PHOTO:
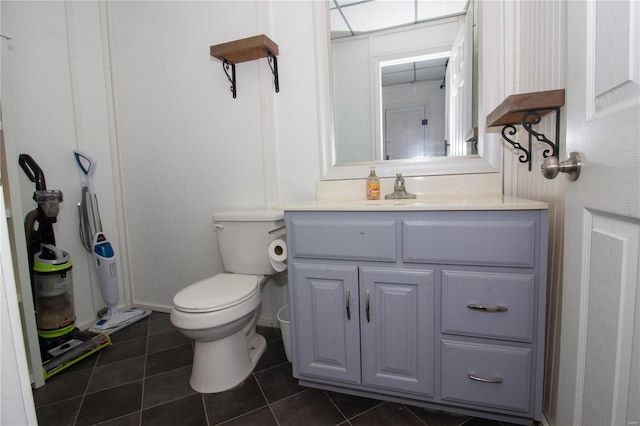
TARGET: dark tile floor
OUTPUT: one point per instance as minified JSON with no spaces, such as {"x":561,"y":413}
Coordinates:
{"x":143,"y":379}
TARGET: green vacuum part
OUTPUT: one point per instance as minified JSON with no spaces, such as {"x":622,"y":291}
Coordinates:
{"x":81,"y":350}
{"x":52,"y":334}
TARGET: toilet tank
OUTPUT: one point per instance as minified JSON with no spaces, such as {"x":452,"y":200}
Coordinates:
{"x":244,"y":237}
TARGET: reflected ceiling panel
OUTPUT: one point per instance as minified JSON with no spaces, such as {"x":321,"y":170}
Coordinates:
{"x":352,"y":17}
{"x":414,"y":72}
{"x":427,"y":10}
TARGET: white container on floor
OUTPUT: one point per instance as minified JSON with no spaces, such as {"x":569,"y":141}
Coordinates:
{"x":284,"y":319}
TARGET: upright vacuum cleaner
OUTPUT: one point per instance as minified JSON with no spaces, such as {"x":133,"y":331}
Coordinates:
{"x":95,"y":241}
{"x":61,"y":343}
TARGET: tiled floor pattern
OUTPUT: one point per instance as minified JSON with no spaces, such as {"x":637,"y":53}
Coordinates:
{"x":143,"y":379}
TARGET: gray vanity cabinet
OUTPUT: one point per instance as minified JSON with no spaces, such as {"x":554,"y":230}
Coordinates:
{"x":365,"y":325}
{"x":442,"y":309}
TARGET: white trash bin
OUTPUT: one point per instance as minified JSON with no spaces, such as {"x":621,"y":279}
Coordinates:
{"x":284,"y":318}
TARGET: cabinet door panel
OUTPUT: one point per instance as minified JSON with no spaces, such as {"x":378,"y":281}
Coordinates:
{"x":397,"y":335}
{"x":328,"y":342}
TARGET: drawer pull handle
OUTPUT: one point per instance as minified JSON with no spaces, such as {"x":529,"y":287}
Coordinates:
{"x":498,"y":308}
{"x":483,"y":380}
{"x":349,"y":304}
{"x":367,"y":308}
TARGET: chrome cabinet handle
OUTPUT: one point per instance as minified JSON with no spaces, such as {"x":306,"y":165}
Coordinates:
{"x":483,"y":380}
{"x":367,"y":308}
{"x":498,"y":308}
{"x":349,"y":304}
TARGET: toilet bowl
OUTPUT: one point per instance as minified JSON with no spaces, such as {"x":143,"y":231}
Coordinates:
{"x":220,"y":312}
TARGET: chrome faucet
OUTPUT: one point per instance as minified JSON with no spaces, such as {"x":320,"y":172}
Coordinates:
{"x":399,"y":190}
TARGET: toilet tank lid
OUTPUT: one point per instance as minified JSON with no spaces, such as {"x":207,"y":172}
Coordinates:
{"x":256,"y":215}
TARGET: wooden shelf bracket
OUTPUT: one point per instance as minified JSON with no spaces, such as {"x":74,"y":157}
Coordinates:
{"x":527,"y":110}
{"x":247,"y":49}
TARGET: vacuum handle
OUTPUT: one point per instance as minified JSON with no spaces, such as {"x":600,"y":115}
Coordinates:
{"x":58,"y":253}
{"x":33,"y":171}
{"x":87,"y":165}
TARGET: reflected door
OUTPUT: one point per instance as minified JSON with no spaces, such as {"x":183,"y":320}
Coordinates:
{"x":407,"y":133}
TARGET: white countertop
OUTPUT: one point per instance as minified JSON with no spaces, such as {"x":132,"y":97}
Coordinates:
{"x":424,"y":203}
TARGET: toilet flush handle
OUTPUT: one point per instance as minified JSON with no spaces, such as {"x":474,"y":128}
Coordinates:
{"x":281,"y":230}
{"x":217,"y":226}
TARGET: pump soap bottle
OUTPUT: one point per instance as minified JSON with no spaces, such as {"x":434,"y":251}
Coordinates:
{"x":373,"y":185}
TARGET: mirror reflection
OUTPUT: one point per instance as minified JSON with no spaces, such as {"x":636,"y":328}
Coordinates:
{"x":413,"y":108}
{"x":402,"y":92}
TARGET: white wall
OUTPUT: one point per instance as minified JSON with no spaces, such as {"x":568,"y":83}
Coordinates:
{"x":132,"y":83}
{"x":354,"y":105}
{"x":16,"y":399}
{"x":531,"y":57}
{"x":54,"y":101}
{"x":187,"y":148}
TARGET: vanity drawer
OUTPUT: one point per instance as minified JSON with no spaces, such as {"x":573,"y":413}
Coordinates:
{"x":488,"y":304}
{"x":344,"y":239}
{"x":488,"y":375}
{"x":468,"y":242}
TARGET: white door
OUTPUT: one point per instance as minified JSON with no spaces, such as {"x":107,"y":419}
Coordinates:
{"x":459,"y":80}
{"x":405,"y":134}
{"x":599,"y":350}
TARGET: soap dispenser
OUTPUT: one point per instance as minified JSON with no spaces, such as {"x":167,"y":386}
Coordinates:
{"x":373,"y":185}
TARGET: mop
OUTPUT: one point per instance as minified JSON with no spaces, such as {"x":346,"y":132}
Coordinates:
{"x":96,"y":242}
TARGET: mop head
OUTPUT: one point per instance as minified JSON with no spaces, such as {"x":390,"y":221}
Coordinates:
{"x":117,"y":320}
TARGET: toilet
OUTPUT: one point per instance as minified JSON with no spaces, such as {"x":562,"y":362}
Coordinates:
{"x":220,"y":312}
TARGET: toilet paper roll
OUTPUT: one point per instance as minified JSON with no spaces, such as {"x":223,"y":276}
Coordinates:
{"x":278,"y":254}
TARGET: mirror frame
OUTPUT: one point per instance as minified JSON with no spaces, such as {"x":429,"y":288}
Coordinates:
{"x":329,"y":169}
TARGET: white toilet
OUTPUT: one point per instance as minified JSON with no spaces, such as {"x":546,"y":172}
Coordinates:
{"x":220,"y":312}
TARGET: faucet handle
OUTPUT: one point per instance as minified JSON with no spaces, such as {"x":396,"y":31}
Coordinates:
{"x":399,"y":183}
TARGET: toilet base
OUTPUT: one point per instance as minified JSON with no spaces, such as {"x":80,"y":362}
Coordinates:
{"x":220,"y":365}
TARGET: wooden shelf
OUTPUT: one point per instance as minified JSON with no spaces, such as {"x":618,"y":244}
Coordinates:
{"x":246,"y":49}
{"x":513,"y":109}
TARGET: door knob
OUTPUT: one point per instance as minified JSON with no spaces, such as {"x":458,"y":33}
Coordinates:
{"x":551,"y":166}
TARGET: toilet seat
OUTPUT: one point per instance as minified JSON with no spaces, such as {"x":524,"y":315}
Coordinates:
{"x":216,"y":293}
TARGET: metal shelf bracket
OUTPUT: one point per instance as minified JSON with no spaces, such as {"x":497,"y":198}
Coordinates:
{"x":273,"y":64}
{"x":529,"y":119}
{"x":232,"y":78}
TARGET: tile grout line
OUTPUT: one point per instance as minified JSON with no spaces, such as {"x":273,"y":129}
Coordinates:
{"x":84,"y":394}
{"x":265,"y":396}
{"x":204,"y":407}
{"x":380,"y":402}
{"x":337,"y":408}
{"x":144,"y":369}
{"x":414,"y":414}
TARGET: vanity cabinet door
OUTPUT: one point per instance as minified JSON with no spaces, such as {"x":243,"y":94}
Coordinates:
{"x":327,"y":315}
{"x":397,"y":317}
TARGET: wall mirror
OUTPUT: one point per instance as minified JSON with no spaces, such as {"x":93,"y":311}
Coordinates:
{"x":399,"y":95}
